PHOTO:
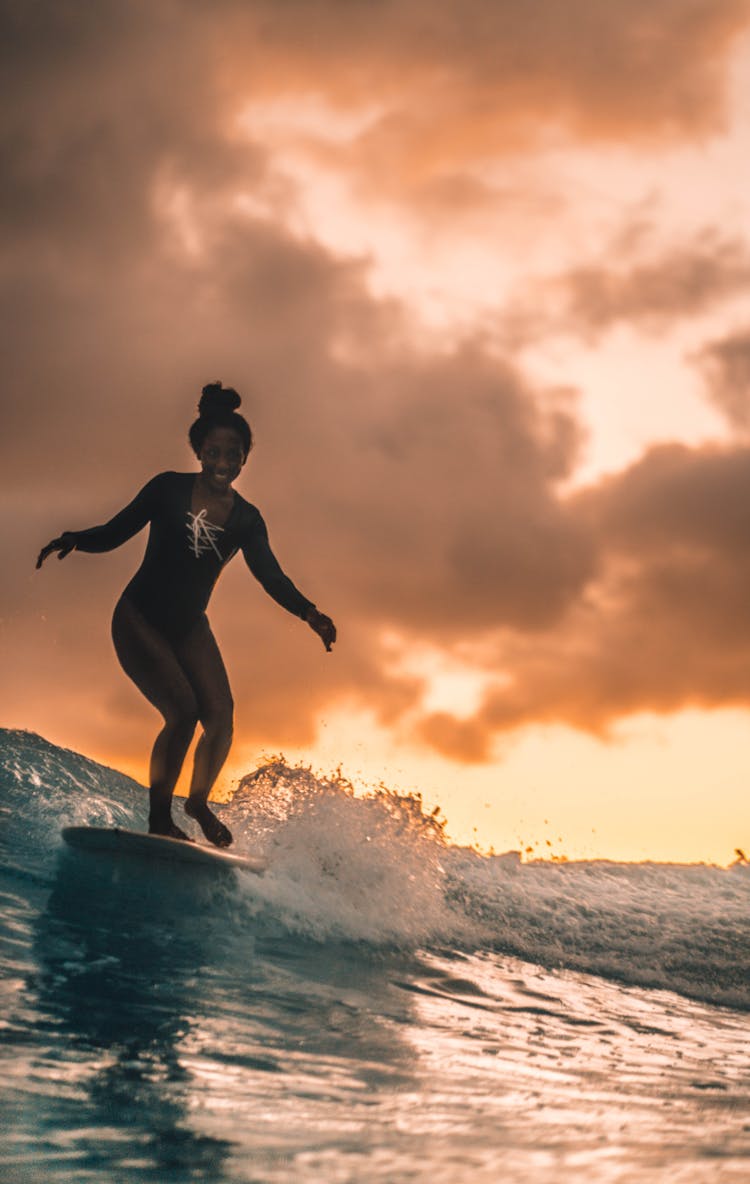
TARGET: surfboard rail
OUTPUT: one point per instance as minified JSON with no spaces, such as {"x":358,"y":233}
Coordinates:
{"x":117,"y":840}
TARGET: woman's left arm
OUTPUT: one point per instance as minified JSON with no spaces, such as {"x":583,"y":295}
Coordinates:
{"x":266,"y":568}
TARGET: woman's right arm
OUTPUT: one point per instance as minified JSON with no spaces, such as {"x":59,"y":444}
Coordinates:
{"x":113,"y":533}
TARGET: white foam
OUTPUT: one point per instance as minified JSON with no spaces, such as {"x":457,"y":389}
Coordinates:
{"x":365,"y":867}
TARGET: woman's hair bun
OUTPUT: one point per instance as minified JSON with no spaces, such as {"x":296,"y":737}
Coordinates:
{"x":218,"y":400}
{"x":218,"y":409}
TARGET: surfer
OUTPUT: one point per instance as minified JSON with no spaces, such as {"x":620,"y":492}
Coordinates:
{"x":160,"y":629}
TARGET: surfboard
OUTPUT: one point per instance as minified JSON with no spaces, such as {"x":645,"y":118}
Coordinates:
{"x":116,"y":840}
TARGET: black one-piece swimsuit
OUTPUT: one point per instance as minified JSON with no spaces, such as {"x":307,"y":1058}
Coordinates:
{"x":186,"y":553}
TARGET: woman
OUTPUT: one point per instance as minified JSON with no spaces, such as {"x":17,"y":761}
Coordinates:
{"x":160,"y":630}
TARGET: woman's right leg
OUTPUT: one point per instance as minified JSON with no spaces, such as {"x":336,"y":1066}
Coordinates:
{"x":148,"y":659}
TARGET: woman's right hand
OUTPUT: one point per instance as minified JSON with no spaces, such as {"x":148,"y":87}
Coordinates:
{"x":64,"y":544}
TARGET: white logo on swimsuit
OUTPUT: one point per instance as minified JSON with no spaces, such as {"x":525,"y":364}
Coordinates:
{"x":202,"y":534}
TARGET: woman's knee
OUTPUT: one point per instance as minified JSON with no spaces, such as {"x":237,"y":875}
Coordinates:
{"x":181,"y":716}
{"x":218,"y":721}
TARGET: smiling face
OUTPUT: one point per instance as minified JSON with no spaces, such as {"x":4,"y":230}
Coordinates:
{"x":222,"y":457}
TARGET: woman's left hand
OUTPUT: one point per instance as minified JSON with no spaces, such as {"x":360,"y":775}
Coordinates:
{"x":323,"y":626}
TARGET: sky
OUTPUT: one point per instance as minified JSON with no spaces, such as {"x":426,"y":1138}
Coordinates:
{"x":481,"y":276}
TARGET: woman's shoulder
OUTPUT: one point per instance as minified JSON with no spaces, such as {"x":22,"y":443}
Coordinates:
{"x":166,"y":485}
{"x":248,"y":515}
{"x":169,"y":478}
{"x":246,"y":507}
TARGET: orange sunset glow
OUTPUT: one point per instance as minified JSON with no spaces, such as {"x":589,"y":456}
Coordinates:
{"x":481,"y":274}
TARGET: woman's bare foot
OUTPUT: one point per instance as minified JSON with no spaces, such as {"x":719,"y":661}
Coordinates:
{"x":214,"y":830}
{"x":169,"y":830}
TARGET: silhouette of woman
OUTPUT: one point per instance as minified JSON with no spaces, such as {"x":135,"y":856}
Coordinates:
{"x":160,"y":630}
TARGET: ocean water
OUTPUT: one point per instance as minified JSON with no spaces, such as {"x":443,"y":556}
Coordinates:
{"x":380,"y":1006}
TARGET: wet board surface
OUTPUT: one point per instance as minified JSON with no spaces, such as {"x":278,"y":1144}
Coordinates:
{"x":118,"y":841}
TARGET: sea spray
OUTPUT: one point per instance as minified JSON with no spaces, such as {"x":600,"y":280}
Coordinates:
{"x":358,"y":866}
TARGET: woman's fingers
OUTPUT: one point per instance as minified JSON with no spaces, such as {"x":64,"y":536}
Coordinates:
{"x":45,"y":551}
{"x":64,"y":544}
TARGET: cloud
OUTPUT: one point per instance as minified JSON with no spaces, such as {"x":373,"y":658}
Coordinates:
{"x":651,"y":288}
{"x":410,"y":483}
{"x":663,"y":626}
{"x":405,"y":482}
{"x":459,"y":85}
{"x":446,"y":107}
{"x":725,"y":365}
{"x":682,"y":282}
{"x":99,"y":99}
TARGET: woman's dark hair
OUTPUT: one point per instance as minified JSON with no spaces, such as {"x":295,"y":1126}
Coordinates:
{"x":218,"y":409}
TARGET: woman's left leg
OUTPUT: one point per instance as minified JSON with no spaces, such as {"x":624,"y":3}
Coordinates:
{"x":199,"y":656}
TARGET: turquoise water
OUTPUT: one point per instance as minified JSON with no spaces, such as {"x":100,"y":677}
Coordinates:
{"x":380,"y":1006}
